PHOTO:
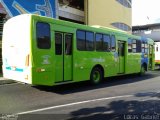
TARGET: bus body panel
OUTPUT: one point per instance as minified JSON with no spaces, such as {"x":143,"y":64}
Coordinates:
{"x":16,"y":52}
{"x":49,"y":53}
{"x":43,"y":62}
{"x":133,"y":63}
{"x":133,"y":59}
{"x":148,"y":56}
{"x":84,"y":65}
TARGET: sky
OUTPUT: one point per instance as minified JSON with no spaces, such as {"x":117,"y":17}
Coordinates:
{"x":145,"y":12}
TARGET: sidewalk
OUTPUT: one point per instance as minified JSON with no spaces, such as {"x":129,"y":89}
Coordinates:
{"x":5,"y":81}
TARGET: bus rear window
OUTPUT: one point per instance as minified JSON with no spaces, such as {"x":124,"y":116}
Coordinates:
{"x":43,"y":35}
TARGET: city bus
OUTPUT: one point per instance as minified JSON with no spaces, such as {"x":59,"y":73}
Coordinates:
{"x":157,"y":54}
{"x":148,"y":54}
{"x":39,"y":50}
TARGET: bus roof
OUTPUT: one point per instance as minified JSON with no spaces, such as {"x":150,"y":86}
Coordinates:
{"x":95,"y":28}
{"x":80,"y":26}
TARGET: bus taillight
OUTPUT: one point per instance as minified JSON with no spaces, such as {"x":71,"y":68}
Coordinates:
{"x":27,"y":60}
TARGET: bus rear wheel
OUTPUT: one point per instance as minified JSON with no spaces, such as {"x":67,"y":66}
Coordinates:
{"x":96,"y":75}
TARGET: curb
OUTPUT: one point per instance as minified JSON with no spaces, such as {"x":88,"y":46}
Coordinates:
{"x":6,"y":81}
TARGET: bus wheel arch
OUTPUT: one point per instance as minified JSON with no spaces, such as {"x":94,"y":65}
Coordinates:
{"x":97,"y":74}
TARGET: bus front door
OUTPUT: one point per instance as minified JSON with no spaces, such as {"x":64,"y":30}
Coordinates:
{"x":121,"y":54}
{"x":63,"y":56}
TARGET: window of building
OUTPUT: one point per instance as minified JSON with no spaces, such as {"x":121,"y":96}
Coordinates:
{"x":130,"y":1}
{"x":43,"y":35}
{"x":125,"y":3}
{"x":121,"y":26}
{"x":78,"y":4}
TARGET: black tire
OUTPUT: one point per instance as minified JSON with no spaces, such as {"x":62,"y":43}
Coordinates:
{"x":96,"y":75}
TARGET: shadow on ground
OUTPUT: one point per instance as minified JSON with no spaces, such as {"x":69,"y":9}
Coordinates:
{"x":107,"y":82}
{"x":140,"y":109}
{"x":137,"y":109}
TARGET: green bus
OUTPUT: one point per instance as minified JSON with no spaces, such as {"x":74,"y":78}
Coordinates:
{"x":44,"y":51}
{"x":148,"y":52}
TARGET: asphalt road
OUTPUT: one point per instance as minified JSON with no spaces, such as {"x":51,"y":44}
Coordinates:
{"x":125,"y":97}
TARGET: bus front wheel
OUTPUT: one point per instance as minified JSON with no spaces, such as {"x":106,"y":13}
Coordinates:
{"x":96,"y":75}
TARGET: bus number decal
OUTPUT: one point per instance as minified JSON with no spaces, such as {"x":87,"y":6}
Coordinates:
{"x":46,"y":59}
{"x":98,"y":60}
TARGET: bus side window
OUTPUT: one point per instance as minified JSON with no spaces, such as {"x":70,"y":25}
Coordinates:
{"x":143,"y":47}
{"x":99,"y":42}
{"x":129,"y":45}
{"x":107,"y":43}
{"x":134,"y":46}
{"x":89,"y":41}
{"x":139,"y":46}
{"x":113,"y":43}
{"x":43,"y":35}
{"x":81,"y":42}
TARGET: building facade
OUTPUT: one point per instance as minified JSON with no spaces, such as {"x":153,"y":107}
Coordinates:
{"x":110,"y":13}
{"x":150,"y":30}
{"x":107,"y":13}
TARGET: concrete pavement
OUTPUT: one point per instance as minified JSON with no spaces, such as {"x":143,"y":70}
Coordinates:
{"x":5,"y":81}
{"x":132,"y":95}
